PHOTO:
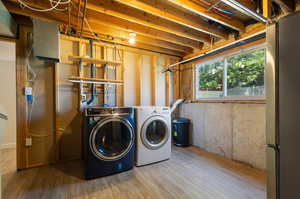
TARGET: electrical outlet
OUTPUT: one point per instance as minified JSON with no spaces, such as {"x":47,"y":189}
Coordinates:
{"x":28,"y":142}
{"x":28,"y":90}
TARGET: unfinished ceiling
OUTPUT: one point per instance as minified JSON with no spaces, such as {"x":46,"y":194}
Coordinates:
{"x":176,"y":27}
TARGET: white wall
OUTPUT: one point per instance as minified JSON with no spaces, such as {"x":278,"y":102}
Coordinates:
{"x":131,"y":62}
{"x":130,"y":72}
{"x":146,"y":80}
{"x":235,"y":131}
{"x":161,"y":83}
{"x":8,"y":90}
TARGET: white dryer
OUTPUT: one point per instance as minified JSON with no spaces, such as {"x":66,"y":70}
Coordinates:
{"x":153,"y":125}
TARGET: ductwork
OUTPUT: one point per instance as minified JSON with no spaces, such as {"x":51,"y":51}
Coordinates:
{"x":8,"y":27}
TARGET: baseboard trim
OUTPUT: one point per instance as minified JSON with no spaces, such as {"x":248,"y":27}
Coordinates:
{"x":8,"y":146}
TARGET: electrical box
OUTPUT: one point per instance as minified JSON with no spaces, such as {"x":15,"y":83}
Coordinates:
{"x":45,"y":40}
{"x":28,"y":94}
{"x":28,"y":90}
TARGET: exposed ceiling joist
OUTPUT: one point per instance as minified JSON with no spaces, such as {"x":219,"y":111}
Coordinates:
{"x":102,"y":29}
{"x":249,"y":32}
{"x":180,"y":26}
{"x":171,"y":17}
{"x":120,"y":23}
{"x":98,"y":8}
{"x":249,"y":3}
{"x":142,"y":30}
{"x":204,"y":12}
{"x":182,"y":43}
{"x":63,"y":19}
{"x":139,"y":45}
{"x":144,"y":39}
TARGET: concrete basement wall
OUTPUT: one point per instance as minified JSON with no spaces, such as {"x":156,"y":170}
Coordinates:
{"x":235,"y":131}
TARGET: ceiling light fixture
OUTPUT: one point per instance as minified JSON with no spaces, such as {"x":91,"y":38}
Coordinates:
{"x":132,"y":37}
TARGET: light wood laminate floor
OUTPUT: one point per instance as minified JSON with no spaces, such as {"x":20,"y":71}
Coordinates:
{"x":190,"y":173}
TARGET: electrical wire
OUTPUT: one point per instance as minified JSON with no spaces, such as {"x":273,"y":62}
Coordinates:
{"x":33,"y":79}
{"x":62,"y":2}
{"x":30,"y":68}
{"x":58,"y":9}
{"x":53,"y":6}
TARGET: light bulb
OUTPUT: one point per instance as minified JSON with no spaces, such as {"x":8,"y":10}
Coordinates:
{"x":131,"y":40}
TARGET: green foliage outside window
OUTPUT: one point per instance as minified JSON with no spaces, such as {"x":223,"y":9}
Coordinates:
{"x":211,"y":76}
{"x":245,"y":76}
{"x":246,"y":70}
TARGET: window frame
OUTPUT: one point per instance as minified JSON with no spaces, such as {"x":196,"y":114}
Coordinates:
{"x":225,"y":58}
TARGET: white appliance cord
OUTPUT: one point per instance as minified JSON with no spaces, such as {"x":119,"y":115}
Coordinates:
{"x":53,"y":6}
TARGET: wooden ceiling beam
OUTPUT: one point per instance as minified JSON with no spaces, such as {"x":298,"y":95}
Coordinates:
{"x":249,"y":4}
{"x":250,"y":31}
{"x":62,"y":18}
{"x":171,"y":17}
{"x":164,"y":40}
{"x":101,"y":9}
{"x":100,"y":18}
{"x":141,"y":39}
{"x":138,"y":45}
{"x":204,"y":12}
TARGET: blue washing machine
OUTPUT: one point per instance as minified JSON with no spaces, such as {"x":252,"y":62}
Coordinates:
{"x":109,"y":141}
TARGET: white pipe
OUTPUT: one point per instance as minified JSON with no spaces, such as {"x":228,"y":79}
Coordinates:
{"x":95,"y":82}
{"x":198,"y":56}
{"x":177,"y":103}
{"x":243,"y":9}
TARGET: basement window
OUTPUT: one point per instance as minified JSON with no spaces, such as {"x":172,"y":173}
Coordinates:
{"x":210,"y":81}
{"x":236,"y":76}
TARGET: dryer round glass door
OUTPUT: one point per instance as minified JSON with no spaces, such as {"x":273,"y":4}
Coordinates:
{"x":111,"y":138}
{"x":155,"y":132}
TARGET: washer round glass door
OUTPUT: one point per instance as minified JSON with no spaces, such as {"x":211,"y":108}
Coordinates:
{"x":155,"y":132}
{"x":111,"y":138}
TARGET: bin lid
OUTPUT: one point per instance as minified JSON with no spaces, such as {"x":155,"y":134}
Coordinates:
{"x":181,"y":120}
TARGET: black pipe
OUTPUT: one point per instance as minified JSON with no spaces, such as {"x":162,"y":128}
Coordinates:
{"x":218,"y":51}
{"x":93,"y":74}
